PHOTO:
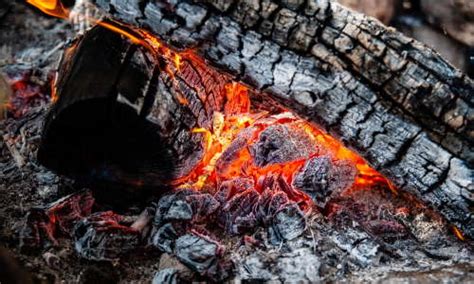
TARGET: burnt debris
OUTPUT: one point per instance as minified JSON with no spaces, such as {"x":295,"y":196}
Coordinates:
{"x":321,"y":178}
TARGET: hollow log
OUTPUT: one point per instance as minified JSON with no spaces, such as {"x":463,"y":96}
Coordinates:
{"x":120,"y":118}
{"x":395,"y":101}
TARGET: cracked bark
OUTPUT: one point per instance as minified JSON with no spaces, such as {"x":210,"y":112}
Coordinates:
{"x":396,"y":102}
{"x":107,"y":122}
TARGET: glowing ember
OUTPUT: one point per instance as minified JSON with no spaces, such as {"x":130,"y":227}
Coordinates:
{"x":26,"y":94}
{"x":228,"y":141}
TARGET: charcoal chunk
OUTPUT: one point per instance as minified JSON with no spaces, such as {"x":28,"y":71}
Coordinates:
{"x":269,"y":204}
{"x":165,"y":237}
{"x":322,"y":178}
{"x":185,"y":206}
{"x":102,"y":236}
{"x":199,"y":253}
{"x":288,"y":224}
{"x":173,"y":207}
{"x":237,"y":215}
{"x":203,"y":205}
{"x":230,"y":188}
{"x":179,"y":210}
{"x":166,"y":276}
{"x":281,"y":143}
{"x":46,"y":223}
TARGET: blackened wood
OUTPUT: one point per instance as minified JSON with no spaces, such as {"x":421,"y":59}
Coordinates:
{"x":106,"y":123}
{"x":392,"y":99}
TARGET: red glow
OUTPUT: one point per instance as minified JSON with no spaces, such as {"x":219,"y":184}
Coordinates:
{"x":26,"y":94}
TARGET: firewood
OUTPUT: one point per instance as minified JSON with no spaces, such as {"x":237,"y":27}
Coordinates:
{"x":106,"y":122}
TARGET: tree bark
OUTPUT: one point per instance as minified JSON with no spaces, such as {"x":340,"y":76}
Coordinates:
{"x":390,"y":98}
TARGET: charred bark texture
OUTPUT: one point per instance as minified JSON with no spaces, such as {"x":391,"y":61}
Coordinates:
{"x":120,"y":118}
{"x":389,"y":97}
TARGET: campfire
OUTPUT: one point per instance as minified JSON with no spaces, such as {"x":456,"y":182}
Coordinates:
{"x":251,"y":141}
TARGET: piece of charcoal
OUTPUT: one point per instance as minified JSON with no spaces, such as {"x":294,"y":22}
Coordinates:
{"x":232,"y":187}
{"x":203,"y":205}
{"x":185,"y":206}
{"x":166,"y":276}
{"x":164,"y":237}
{"x":201,"y":254}
{"x":46,"y":223}
{"x":321,"y":178}
{"x":288,"y":224}
{"x":282,"y":143}
{"x":231,"y":154}
{"x":237,"y":214}
{"x":103,"y":236}
{"x":364,"y":253}
{"x":179,"y":210}
{"x":173,"y":207}
{"x":388,"y":230}
{"x":278,"y":183}
{"x":352,"y":238}
{"x":269,"y":203}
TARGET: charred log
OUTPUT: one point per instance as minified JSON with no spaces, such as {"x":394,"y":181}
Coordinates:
{"x":107,"y":124}
{"x":392,"y":99}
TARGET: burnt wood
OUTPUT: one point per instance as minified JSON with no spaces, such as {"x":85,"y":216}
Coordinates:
{"x":119,"y":116}
{"x":107,"y":123}
{"x":392,"y":99}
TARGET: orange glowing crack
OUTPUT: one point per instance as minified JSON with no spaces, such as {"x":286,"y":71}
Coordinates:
{"x":458,"y":233}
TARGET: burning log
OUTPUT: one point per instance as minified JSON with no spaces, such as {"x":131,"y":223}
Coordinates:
{"x":159,"y":96}
{"x":115,"y":83}
{"x":395,"y":101}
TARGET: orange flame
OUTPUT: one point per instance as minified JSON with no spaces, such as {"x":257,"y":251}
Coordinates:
{"x":133,"y":38}
{"x":51,"y":7}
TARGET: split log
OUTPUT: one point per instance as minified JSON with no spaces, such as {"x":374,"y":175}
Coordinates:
{"x":390,"y":98}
